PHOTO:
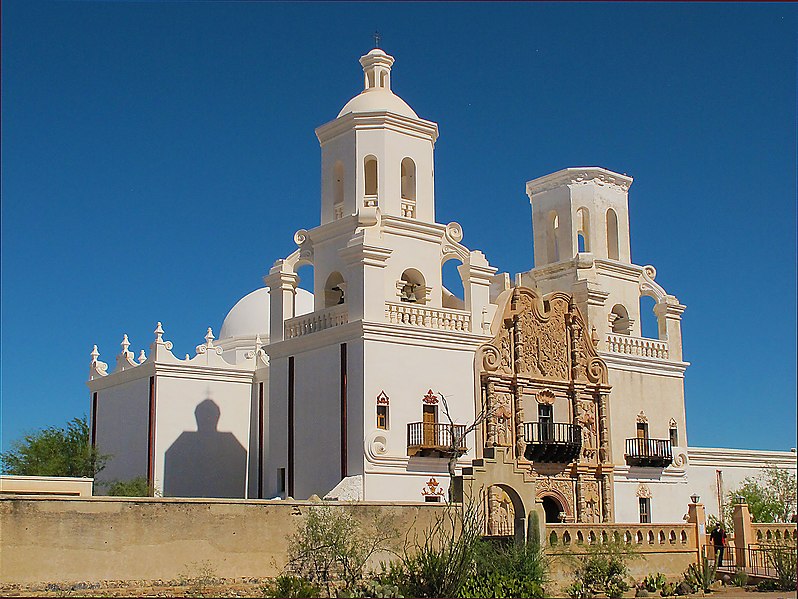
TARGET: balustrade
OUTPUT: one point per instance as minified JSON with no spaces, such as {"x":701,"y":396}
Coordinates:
{"x":646,"y":537}
{"x":637,"y":346}
{"x":427,"y":317}
{"x":316,"y":321}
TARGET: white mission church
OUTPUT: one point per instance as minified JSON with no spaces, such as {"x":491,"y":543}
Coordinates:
{"x":365,"y":388}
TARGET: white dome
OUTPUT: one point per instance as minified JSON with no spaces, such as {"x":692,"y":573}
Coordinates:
{"x":250,"y":315}
{"x":378,"y":100}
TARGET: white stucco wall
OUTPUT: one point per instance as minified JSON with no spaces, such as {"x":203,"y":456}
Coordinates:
{"x":122,"y":428}
{"x":210,"y":461}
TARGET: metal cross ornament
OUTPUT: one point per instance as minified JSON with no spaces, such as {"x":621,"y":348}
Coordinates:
{"x":377,"y":38}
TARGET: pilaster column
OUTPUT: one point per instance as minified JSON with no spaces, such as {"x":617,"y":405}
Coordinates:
{"x":476,"y":276}
{"x":366,"y":281}
{"x":669,"y":319}
{"x":697,"y":515}
{"x":743,"y":532}
{"x":282,"y":289}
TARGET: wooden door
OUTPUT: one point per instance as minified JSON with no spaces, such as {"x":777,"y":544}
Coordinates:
{"x":430,"y":418}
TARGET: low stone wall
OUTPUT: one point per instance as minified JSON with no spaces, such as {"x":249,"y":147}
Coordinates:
{"x":106,"y":538}
{"x":665,"y":548}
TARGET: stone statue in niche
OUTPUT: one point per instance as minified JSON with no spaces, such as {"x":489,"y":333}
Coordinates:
{"x":587,"y":420}
{"x":503,"y":415}
{"x":501,"y":514}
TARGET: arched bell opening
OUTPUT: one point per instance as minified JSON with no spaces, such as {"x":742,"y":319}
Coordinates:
{"x":334,"y":290}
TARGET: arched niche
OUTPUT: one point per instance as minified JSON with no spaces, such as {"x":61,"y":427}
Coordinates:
{"x":370,"y":180}
{"x":334,"y":290}
{"x":552,"y":237}
{"x":613,"y":247}
{"x":582,"y":230}
{"x":619,"y":320}
{"x":453,"y":287}
{"x":412,"y":287}
{"x":408,"y":179}
{"x":505,"y":513}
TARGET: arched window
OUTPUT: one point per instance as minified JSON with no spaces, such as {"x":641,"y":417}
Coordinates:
{"x":411,"y":287}
{"x":370,"y":172}
{"x":408,"y":179}
{"x":334,"y":290}
{"x":338,"y":190}
{"x":552,"y":243}
{"x":613,"y":251}
{"x":619,"y":320}
{"x":582,"y":230}
{"x":452,"y":290}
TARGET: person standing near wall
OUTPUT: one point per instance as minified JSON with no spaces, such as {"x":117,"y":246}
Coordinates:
{"x":718,"y":537}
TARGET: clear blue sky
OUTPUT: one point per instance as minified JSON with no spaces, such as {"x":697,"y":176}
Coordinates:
{"x":158,"y":157}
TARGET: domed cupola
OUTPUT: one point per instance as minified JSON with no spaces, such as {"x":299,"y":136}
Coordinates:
{"x":377,"y":153}
{"x":377,"y":95}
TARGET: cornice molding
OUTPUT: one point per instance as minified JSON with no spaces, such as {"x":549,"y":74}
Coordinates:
{"x":585,"y":175}
{"x":355,"y":121}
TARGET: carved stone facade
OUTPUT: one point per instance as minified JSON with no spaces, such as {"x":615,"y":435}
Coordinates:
{"x":542,"y":381}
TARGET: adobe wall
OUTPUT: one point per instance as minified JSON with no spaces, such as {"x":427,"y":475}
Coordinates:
{"x":106,"y":538}
{"x":109,"y":538}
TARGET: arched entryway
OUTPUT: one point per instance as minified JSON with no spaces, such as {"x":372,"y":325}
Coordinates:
{"x":553,"y":509}
{"x":505,"y":514}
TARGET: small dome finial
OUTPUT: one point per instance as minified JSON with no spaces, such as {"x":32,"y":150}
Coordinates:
{"x":377,"y":69}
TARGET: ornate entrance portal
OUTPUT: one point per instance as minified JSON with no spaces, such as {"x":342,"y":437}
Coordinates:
{"x":543,"y":390}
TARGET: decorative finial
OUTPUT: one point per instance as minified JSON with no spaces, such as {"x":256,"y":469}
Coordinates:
{"x":125,"y":344}
{"x":377,"y":38}
{"x":158,"y":333}
{"x":209,"y":338}
{"x":142,"y":357}
{"x":258,"y":342}
{"x":94,"y":354}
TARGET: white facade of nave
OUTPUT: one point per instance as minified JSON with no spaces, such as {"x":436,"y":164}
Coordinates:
{"x":303,"y":391}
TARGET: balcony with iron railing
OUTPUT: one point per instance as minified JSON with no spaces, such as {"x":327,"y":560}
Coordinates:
{"x":649,"y":452}
{"x":427,"y":439}
{"x":552,"y":442}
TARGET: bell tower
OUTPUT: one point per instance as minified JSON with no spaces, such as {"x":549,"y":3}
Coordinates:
{"x":377,"y":153}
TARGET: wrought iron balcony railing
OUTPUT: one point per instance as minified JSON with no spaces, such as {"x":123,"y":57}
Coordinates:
{"x":435,"y":439}
{"x":648,"y":452}
{"x":552,"y":441}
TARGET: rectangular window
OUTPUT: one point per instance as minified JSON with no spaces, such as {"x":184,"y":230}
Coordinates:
{"x":645,"y":510}
{"x":382,"y":417}
{"x":432,"y":498}
{"x":546,"y":422}
{"x":674,"y":436}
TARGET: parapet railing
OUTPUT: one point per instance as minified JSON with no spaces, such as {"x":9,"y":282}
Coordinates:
{"x":637,"y":346}
{"x":775,"y":532}
{"x":419,"y":315}
{"x":645,"y":537}
{"x":316,"y":321}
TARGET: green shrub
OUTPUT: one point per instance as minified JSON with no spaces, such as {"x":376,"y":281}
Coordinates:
{"x":654,"y":582}
{"x":331,"y":549}
{"x":700,"y":576}
{"x":783,"y":559}
{"x":135,"y":487}
{"x":507,"y":570}
{"x":287,"y":585}
{"x":603,"y":569}
{"x":740,"y":578}
{"x":767,"y":585}
{"x":668,"y":589}
{"x":443,"y":561}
